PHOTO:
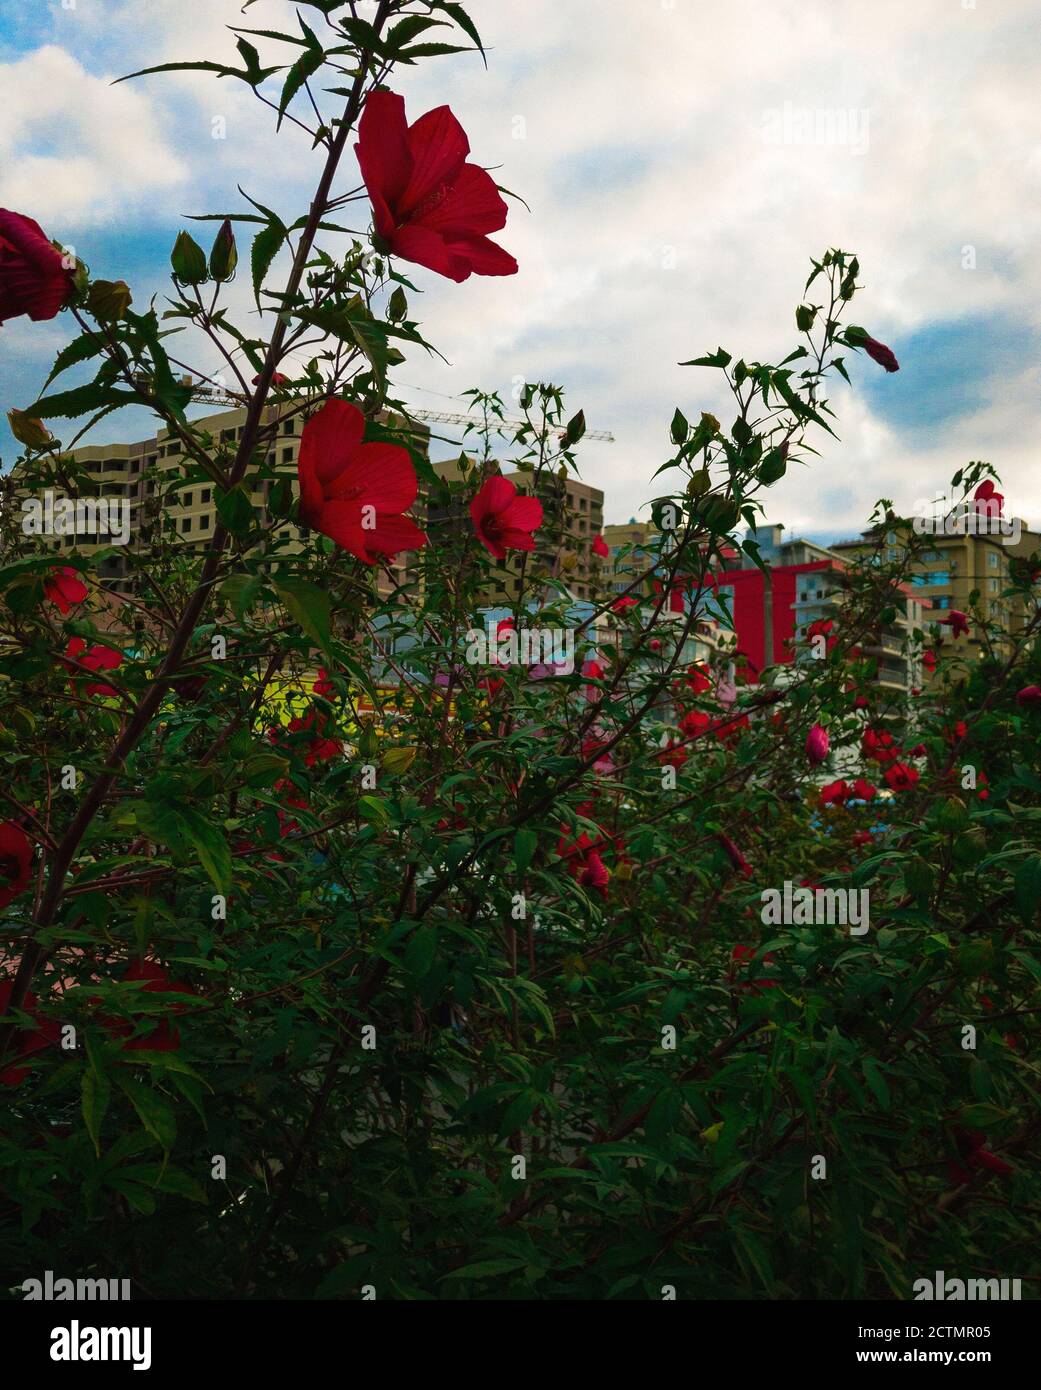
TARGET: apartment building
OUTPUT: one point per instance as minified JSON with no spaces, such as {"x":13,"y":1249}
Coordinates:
{"x":951,"y":568}
{"x":774,"y":614}
{"x":154,"y":480}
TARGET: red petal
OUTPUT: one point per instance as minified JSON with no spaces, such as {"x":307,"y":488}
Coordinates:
{"x":524,"y":513}
{"x":391,"y":535}
{"x":382,"y":475}
{"x":330,"y":440}
{"x":419,"y":244}
{"x":341,"y":522}
{"x":495,"y":495}
{"x":439,"y":147}
{"x":472,"y":205}
{"x":483,"y":256}
{"x":383,"y":155}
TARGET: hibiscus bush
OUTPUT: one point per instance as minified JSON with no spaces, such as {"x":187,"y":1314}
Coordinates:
{"x":337,"y":963}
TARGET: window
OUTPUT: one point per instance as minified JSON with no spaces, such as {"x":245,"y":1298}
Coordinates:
{"x":931,"y":579}
{"x":288,"y":426}
{"x":992,"y":586}
{"x":186,"y":523}
{"x":287,"y":455}
{"x":187,"y":499}
{"x":992,"y":560}
{"x":205,"y":495}
{"x":943,"y":601}
{"x":204,"y":521}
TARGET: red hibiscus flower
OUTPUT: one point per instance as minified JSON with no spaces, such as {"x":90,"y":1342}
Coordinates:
{"x":740,"y":955}
{"x":862,"y":837}
{"x":16,"y":853}
{"x":654,"y":644}
{"x":878,"y":745}
{"x":834,"y":794}
{"x":165,"y":1037}
{"x":956,"y":620}
{"x":323,"y":686}
{"x":929,"y":661}
{"x":600,"y":547}
{"x":878,"y":352}
{"x":356,"y":493}
{"x":94,"y":659}
{"x":65,"y":588}
{"x":901,"y":778}
{"x":503,"y":518}
{"x":1029,"y":697}
{"x":987,"y":499}
{"x":982,"y":790}
{"x":973,"y":1151}
{"x":673,"y":755}
{"x":735,"y":856}
{"x":584,"y":862}
{"x":862,"y":790}
{"x":428,"y":204}
{"x":33,"y":277}
{"x":623,"y":604}
{"x":817,"y":744}
{"x":26,"y":1040}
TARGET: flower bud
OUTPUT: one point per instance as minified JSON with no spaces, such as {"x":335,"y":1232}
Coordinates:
{"x":224,"y":256}
{"x":33,"y":433}
{"x":109,"y":300}
{"x":188,"y":260}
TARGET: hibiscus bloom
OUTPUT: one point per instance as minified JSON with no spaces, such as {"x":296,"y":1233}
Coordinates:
{"x":623,"y":604}
{"x":956,"y":620}
{"x":323,"y":686}
{"x":1029,"y":697}
{"x":862,"y":790}
{"x":16,"y":853}
{"x":27,"y":1040}
{"x":901,"y":778}
{"x":429,"y":205}
{"x":600,"y":547}
{"x":34,"y":279}
{"x":735,"y":856}
{"x":65,"y":588}
{"x":165,"y":1037}
{"x":94,"y":659}
{"x":929,"y":661}
{"x":973,"y":1151}
{"x":879,"y":746}
{"x":987,"y":499}
{"x":584,"y":861}
{"x":834,"y":794}
{"x":878,"y":352}
{"x":356,"y":493}
{"x":817,"y":744}
{"x":694,"y":722}
{"x":503,"y":518}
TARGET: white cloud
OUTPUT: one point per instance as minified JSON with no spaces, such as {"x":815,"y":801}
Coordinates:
{"x":73,"y":149}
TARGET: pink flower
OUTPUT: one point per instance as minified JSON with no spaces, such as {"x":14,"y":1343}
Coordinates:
{"x":1029,"y":696}
{"x":817,"y":745}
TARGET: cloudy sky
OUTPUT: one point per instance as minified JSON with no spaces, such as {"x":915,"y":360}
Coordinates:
{"x":666,"y":149}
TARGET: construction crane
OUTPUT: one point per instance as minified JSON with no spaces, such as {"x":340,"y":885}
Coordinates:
{"x":218,"y":395}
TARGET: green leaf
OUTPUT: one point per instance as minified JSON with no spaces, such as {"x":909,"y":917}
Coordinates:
{"x":152,"y":1110}
{"x":266,"y":246}
{"x":305,"y":66}
{"x":525,"y":843}
{"x":310,"y":607}
{"x":236,"y":510}
{"x":211,"y":845}
{"x":420,"y":951}
{"x":95,"y":1090}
